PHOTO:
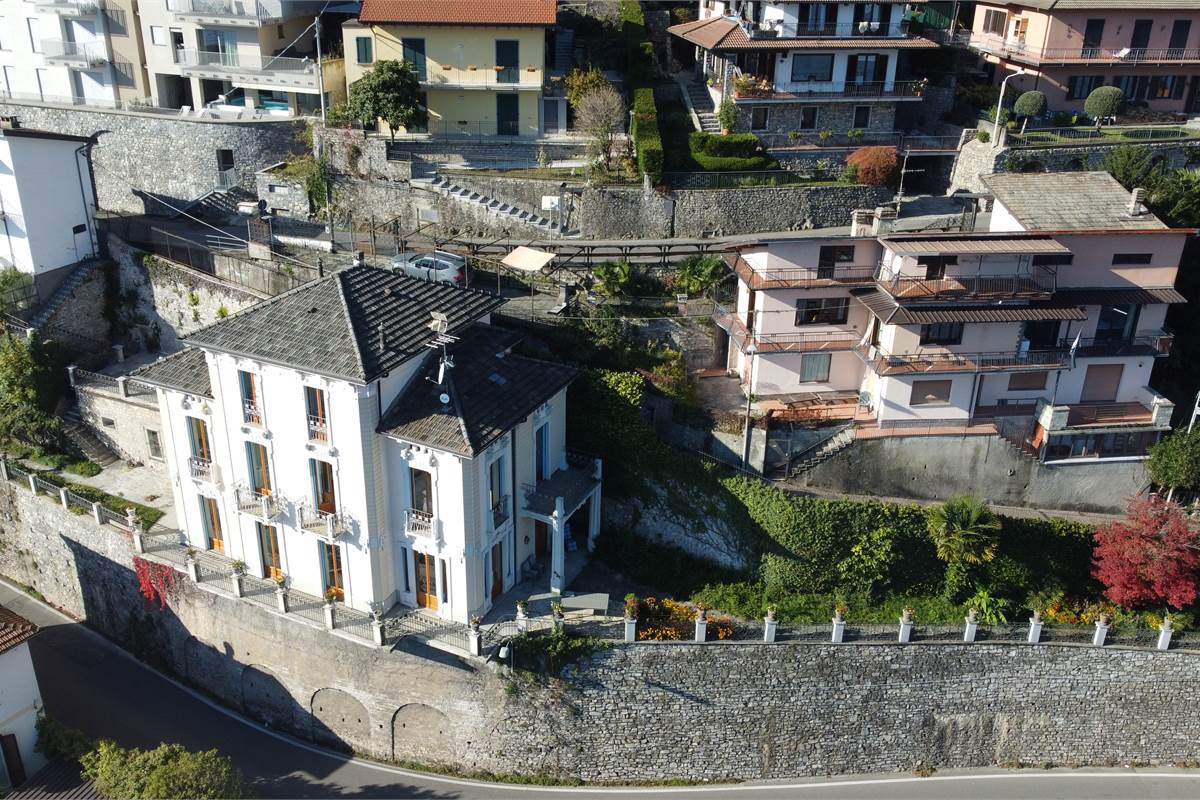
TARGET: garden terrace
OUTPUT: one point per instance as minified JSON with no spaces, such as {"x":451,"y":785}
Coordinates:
{"x":1086,"y":137}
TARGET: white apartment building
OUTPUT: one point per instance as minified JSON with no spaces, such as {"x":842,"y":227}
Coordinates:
{"x":47,"y":204}
{"x":20,"y":702}
{"x":342,"y":436}
{"x":1050,"y":320}
{"x":237,"y":54}
{"x":78,"y":52}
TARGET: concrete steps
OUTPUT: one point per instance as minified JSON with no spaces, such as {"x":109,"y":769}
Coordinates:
{"x":61,"y":294}
{"x":823,"y":452}
{"x":84,"y":441}
{"x":500,"y":210}
{"x":702,"y":103}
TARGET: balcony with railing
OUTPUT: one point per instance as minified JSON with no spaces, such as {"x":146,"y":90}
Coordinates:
{"x":318,"y":428}
{"x":74,"y":54}
{"x":572,"y":486}
{"x":1154,"y":344}
{"x":242,"y":13}
{"x":68,"y":8}
{"x":252,"y":413}
{"x":819,"y":276}
{"x":481,"y":76}
{"x":200,"y":468}
{"x":328,"y":524}
{"x":1149,"y":410}
{"x":250,"y":70}
{"x":1020,"y":50}
{"x":922,"y":362}
{"x":1038,"y":284}
{"x":777,"y":29}
{"x":418,"y":523}
{"x":832,"y":339}
{"x":751,"y":88}
{"x":256,"y":501}
{"x":501,"y":512}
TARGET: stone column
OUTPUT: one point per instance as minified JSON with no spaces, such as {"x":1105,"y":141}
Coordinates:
{"x":1035,"y":629}
{"x":123,"y":385}
{"x":329,"y":619}
{"x":193,"y":570}
{"x":522,"y":619}
{"x":96,"y":514}
{"x":839,"y":629}
{"x":62,"y":497}
{"x":701,"y":627}
{"x":770,"y":626}
{"x":32,"y":483}
{"x":1101,"y":632}
{"x":1164,"y":634}
{"x":594,"y":515}
{"x":3,"y":468}
{"x":475,"y":642}
{"x":377,"y":629}
{"x":972,"y":626}
{"x":631,"y":629}
{"x":906,"y":626}
{"x":236,"y":584}
{"x":558,"y":555}
{"x":281,"y":600}
{"x":139,"y":542}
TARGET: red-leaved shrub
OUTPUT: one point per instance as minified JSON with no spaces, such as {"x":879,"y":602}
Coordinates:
{"x":1149,"y":558}
{"x":876,"y":166}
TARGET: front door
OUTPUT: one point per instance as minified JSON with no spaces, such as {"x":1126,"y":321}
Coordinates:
{"x":426,"y":580}
{"x":1100,"y":383}
{"x":507,"y":115}
{"x":497,"y":569}
{"x":12,"y":759}
{"x":212,"y":524}
{"x":268,"y":545}
{"x":541,"y":533}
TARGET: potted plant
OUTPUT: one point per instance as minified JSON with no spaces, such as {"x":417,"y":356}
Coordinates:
{"x":556,"y":609}
{"x":280,"y":581}
{"x":522,"y":608}
{"x":631,"y":606}
{"x":331,"y":596}
{"x":474,"y":623}
{"x":906,"y":616}
{"x":772,"y":613}
{"x":839,"y":612}
{"x":825,"y":135}
{"x":239,"y":567}
{"x":190,"y":554}
{"x":726,"y":116}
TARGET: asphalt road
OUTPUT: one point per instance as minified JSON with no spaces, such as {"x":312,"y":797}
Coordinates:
{"x":91,"y":684}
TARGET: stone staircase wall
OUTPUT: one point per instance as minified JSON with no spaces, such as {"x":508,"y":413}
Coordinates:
{"x":462,"y":208}
{"x":524,"y":193}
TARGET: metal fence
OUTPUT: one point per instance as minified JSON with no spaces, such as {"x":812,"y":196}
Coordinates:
{"x":1139,"y":134}
{"x":734,"y":180}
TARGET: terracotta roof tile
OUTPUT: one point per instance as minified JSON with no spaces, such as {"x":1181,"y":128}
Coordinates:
{"x":14,"y":629}
{"x":459,"y":12}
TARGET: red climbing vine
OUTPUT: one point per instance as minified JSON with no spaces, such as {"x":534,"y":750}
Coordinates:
{"x":155,"y":581}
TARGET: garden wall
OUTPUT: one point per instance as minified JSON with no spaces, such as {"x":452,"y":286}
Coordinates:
{"x":643,"y":712}
{"x":936,"y":467}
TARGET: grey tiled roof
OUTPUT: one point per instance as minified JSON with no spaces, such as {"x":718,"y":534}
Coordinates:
{"x":356,"y":324}
{"x":490,"y":390}
{"x":185,"y":371}
{"x":1068,"y":201}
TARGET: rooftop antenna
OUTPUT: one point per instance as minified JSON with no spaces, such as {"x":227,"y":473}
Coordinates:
{"x":440,"y":324}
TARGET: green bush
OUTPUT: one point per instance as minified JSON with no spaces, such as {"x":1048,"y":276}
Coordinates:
{"x":1030,"y":104}
{"x":1104,"y":101}
{"x":715,"y":153}
{"x":741,"y":145}
{"x":56,"y":740}
{"x":166,"y":772}
{"x":144,"y":514}
{"x":647,"y":139}
{"x":661,"y":566}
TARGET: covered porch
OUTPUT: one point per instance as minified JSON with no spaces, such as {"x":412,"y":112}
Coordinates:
{"x":554,"y":500}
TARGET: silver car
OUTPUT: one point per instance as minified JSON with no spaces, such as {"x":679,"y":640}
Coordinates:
{"x":438,"y":266}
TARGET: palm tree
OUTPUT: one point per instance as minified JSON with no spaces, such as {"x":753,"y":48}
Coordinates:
{"x":964,"y":530}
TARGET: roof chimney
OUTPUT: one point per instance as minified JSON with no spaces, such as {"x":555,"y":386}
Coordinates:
{"x":359,"y":258}
{"x":382,"y":338}
{"x":9,"y":122}
{"x":1135,"y":202}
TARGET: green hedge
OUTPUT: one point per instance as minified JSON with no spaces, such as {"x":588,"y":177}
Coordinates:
{"x":742,"y":145}
{"x":646,"y":136}
{"x":146,"y":515}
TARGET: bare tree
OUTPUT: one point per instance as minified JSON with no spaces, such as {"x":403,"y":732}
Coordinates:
{"x":599,"y":115}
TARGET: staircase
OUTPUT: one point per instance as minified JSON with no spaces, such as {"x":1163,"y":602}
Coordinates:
{"x":822,"y":452}
{"x":219,"y":205}
{"x":502,"y":212}
{"x":564,"y":49}
{"x":1017,"y":433}
{"x":84,"y":441}
{"x":702,"y":103}
{"x":47,"y":310}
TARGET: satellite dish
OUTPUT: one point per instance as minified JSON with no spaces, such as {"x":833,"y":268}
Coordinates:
{"x":445,"y":398}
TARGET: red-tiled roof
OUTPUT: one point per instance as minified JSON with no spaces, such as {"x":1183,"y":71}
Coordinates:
{"x":14,"y":629}
{"x":459,"y":12}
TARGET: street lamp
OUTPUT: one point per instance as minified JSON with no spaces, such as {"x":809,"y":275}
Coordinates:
{"x":1000,"y":106}
{"x":751,"y":351}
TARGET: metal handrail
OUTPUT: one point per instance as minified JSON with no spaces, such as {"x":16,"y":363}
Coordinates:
{"x":1056,"y":137}
{"x":234,"y":9}
{"x":318,"y":428}
{"x":909,"y":287}
{"x":501,"y":511}
{"x":81,"y":52}
{"x":1157,"y":343}
{"x":768,"y":90}
{"x":491,"y":75}
{"x":1125,"y":55}
{"x":800,"y":277}
{"x":200,"y":468}
{"x":923,"y":361}
{"x":237,"y":62}
{"x":331,"y":523}
{"x":854,"y":30}
{"x":251,"y":412}
{"x":418,"y":522}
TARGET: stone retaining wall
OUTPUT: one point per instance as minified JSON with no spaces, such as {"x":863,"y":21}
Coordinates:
{"x":726,"y":212}
{"x":650,"y":711}
{"x":174,"y":157}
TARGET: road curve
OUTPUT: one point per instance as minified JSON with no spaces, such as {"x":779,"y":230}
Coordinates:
{"x":89,"y":683}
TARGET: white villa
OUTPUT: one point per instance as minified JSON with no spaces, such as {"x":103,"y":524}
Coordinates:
{"x":20,"y":702}
{"x":371,"y":436}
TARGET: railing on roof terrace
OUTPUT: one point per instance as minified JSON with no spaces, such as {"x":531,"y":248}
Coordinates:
{"x":799,"y":278}
{"x":934,"y":361}
{"x":1040,"y":282}
{"x":865,"y":29}
{"x":1114,"y":135}
{"x":1115,"y":56}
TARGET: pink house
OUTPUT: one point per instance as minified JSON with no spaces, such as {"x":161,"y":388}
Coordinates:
{"x":1042,"y":323}
{"x":1149,"y":48}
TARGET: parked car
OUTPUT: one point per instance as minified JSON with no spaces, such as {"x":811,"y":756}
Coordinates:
{"x":438,"y":266}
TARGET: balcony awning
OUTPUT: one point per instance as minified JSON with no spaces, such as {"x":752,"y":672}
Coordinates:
{"x":527,"y":259}
{"x":974,"y":245}
{"x":1119,"y":296}
{"x":883,"y":306}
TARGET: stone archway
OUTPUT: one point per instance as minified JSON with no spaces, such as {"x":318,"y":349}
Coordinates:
{"x":266,"y":699}
{"x":340,"y":721}
{"x":423,"y":734}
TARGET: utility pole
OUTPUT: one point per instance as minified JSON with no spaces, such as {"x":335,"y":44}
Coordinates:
{"x":320,"y":69}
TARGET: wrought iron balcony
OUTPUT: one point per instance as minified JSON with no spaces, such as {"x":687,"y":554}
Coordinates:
{"x":200,"y":468}
{"x":256,"y":501}
{"x":799,"y":278}
{"x":800,"y":341}
{"x":501,"y":511}
{"x":318,"y":428}
{"x":329,"y":524}
{"x":418,"y":523}
{"x":1040,"y":283}
{"x":1155,"y":344}
{"x":1021,"y":50}
{"x":922,"y":362}
{"x":251,"y":413}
